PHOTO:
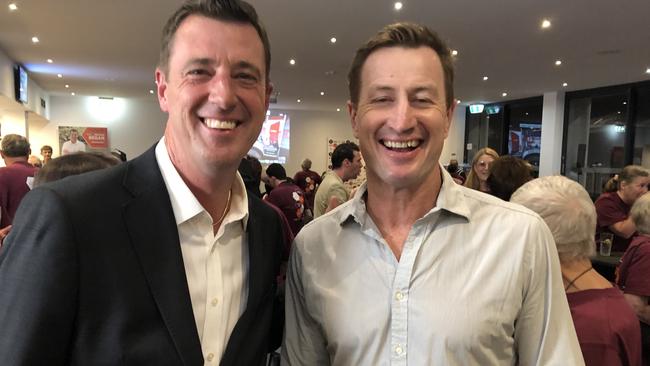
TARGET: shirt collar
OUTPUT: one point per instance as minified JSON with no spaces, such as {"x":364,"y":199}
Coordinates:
{"x":451,"y":198}
{"x":184,"y":203}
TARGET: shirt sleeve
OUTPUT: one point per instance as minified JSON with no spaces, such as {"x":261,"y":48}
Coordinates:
{"x":608,"y":212}
{"x":304,"y":343}
{"x":339,"y":192}
{"x":637,"y":281}
{"x":544,"y":332}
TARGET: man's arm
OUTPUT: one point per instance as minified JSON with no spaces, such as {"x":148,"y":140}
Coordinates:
{"x":624,"y":228}
{"x":337,"y":197}
{"x":303,"y":343}
{"x":38,"y":282}
{"x":640,"y":306}
{"x":544,"y":332}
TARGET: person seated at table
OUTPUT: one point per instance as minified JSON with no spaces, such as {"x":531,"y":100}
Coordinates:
{"x":613,"y":206}
{"x":634,"y":273}
{"x":478,"y":175}
{"x":507,"y":173}
{"x":607,"y":328}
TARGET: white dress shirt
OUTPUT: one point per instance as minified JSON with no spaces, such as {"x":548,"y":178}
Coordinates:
{"x":216,"y":266}
{"x":478,"y":283}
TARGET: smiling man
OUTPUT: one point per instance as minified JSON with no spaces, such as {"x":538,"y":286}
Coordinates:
{"x":415,"y":269}
{"x":163,"y":260}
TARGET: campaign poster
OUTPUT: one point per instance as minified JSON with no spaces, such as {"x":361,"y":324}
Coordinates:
{"x":74,"y":139}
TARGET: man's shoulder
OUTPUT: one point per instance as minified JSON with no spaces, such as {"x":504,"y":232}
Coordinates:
{"x":481,"y":203}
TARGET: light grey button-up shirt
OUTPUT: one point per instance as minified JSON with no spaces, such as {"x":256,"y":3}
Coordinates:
{"x":478,"y":283}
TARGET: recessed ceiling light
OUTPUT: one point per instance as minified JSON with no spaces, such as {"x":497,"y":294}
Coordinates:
{"x":338,"y":109}
{"x":73,"y":94}
{"x":13,"y":7}
{"x":647,"y":71}
{"x":35,"y":39}
{"x":398,"y":5}
{"x":485,"y":78}
{"x":333,"y":40}
{"x":526,"y":113}
{"x":624,"y":102}
{"x":457,"y":101}
{"x":558,"y":62}
{"x":292,"y":62}
{"x":546,"y":23}
{"x":67,"y":86}
{"x":299,"y":100}
{"x":322,"y":93}
{"x":150,"y":91}
{"x":59,"y":76}
{"x":619,"y":112}
{"x":504,"y":94}
{"x":565,"y":84}
{"x":49,"y":61}
{"x":454,"y":53}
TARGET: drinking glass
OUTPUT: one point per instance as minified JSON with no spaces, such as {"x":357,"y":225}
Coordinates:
{"x":606,"y":240}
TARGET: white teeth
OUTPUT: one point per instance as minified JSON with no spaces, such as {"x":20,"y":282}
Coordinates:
{"x":222,"y":125}
{"x":401,"y":144}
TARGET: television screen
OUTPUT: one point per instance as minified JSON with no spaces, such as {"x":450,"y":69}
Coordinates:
{"x":272,"y":145}
{"x":20,"y":82}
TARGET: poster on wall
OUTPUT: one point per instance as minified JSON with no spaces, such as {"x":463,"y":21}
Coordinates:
{"x":272,"y":145}
{"x":74,"y":139}
{"x":352,"y":184}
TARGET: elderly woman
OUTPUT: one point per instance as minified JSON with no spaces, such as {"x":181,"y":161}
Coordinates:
{"x":607,"y":328}
{"x":613,"y":206}
{"x":634,"y":272}
{"x":478,"y":175}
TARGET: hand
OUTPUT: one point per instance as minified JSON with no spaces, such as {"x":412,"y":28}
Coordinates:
{"x":3,"y":234}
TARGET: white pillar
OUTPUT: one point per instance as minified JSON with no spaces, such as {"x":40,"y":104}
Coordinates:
{"x":550,"y":159}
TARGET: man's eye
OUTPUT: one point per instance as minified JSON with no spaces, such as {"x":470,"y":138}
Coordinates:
{"x":381,"y":100}
{"x":197,"y":72}
{"x":246,"y":77}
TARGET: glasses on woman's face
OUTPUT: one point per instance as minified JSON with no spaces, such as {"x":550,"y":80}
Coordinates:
{"x":483,"y":164}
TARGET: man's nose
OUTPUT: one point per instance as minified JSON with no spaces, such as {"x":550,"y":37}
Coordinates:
{"x":223,"y":92}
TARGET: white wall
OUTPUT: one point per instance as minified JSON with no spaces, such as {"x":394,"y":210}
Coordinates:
{"x":137,"y":128}
{"x":550,"y":155}
{"x":455,"y":143}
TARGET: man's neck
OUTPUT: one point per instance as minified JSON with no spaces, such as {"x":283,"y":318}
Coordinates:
{"x":17,"y":159}
{"x":341,"y":173}
{"x":395,"y":209}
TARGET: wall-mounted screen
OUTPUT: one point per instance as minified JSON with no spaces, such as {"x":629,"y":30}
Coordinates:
{"x":20,"y":83}
{"x":272,"y":145}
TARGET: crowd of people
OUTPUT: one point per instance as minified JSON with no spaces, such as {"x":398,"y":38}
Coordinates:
{"x":178,"y":257}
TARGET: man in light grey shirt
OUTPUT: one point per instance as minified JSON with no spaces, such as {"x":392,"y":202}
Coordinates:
{"x":415,"y":269}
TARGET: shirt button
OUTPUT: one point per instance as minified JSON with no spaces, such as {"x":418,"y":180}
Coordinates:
{"x":399,"y":350}
{"x":399,"y":296}
{"x":210,"y":357}
{"x":214,"y":302}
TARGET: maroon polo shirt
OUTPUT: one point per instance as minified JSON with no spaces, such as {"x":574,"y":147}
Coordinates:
{"x":611,"y":209}
{"x":308,"y":181}
{"x":13,"y":187}
{"x":290,"y":199}
{"x":607,"y":327}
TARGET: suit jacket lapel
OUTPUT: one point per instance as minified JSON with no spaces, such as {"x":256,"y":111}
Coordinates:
{"x":152,"y":228}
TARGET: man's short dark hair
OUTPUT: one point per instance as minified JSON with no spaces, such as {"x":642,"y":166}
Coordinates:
{"x":14,"y":146}
{"x":406,"y":35}
{"x":73,"y":164}
{"x":223,"y":10}
{"x":276,"y":170}
{"x":507,"y":174}
{"x":343,"y":151}
{"x":46,"y":148}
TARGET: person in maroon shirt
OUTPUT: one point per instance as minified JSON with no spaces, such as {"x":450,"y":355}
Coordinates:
{"x":613,"y":206}
{"x":634,"y":272}
{"x":606,"y":325}
{"x":307,"y":180}
{"x":285,"y":195}
{"x":14,"y":176}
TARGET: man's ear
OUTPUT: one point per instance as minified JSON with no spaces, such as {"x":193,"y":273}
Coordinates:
{"x":161,"y":89}
{"x":352,"y":111}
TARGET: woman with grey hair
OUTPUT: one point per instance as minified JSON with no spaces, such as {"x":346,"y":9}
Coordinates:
{"x":634,"y":273}
{"x":607,"y":328}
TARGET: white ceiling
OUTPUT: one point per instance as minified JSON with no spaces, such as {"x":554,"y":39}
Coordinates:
{"x":110,"y":48}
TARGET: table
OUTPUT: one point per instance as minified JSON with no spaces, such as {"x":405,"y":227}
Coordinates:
{"x":606,"y":266}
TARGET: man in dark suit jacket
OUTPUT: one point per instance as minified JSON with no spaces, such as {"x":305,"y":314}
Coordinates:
{"x":108,"y":268}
